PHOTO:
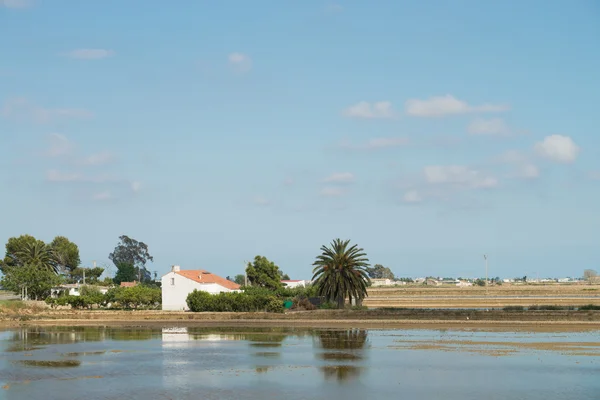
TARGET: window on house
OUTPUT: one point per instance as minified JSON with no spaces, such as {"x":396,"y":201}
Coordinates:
{"x":172,"y":281}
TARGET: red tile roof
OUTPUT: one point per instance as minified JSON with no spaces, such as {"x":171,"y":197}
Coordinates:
{"x":128,"y":284}
{"x":202,"y":276}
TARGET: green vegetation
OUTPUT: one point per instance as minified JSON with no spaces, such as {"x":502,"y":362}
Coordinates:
{"x":134,"y":254}
{"x":140,"y":296}
{"x":200,"y":301}
{"x":341,"y":272}
{"x":589,"y":307}
{"x":378,"y":271}
{"x":264,"y":273}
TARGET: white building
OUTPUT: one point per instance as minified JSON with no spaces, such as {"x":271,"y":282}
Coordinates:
{"x":177,"y":284}
{"x":294,"y":283}
{"x":74,"y":289}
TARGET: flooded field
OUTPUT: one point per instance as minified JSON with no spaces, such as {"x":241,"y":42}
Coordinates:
{"x":284,"y":363}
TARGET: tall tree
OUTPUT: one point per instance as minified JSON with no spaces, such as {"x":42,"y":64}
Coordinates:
{"x":130,"y":251}
{"x":590,"y":275}
{"x":38,"y":255}
{"x":92,"y":275}
{"x":264,"y":273}
{"x":125,"y":273}
{"x":340,"y":272}
{"x":378,"y":271}
{"x":66,"y":253}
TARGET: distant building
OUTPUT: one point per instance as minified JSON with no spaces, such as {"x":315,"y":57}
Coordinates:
{"x":177,"y":284}
{"x":294,"y":283}
{"x":464,"y":284}
{"x":73,"y":289}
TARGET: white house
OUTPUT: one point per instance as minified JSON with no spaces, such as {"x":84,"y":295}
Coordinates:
{"x":294,"y":283}
{"x":74,"y":289}
{"x":177,"y":284}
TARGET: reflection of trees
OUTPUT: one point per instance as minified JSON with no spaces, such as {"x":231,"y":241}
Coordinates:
{"x":351,"y":339}
{"x":343,"y":345}
{"x":262,"y":335}
{"x":341,"y":372}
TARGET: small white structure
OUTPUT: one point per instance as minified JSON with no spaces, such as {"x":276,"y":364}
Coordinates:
{"x":381,"y":282}
{"x":177,"y":284}
{"x":464,"y":284}
{"x":74,"y":289}
{"x":294,"y":283}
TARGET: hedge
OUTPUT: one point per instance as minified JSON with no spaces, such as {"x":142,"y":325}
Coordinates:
{"x":200,"y":301}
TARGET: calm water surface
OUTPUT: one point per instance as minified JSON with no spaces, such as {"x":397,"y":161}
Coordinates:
{"x":249,"y":363}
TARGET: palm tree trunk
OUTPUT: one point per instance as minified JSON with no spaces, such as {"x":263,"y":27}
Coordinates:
{"x":340,"y":302}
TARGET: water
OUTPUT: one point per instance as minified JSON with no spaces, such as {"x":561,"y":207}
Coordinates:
{"x":279,"y":363}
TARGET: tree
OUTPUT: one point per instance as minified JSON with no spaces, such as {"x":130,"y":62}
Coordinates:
{"x":66,"y":253}
{"x":17,"y":245}
{"x":31,"y":280}
{"x":125,"y":273}
{"x":285,"y":277}
{"x":264,"y":273}
{"x":130,"y":251}
{"x":590,"y":275}
{"x":378,"y":271}
{"x":92,"y":275}
{"x":39,"y":255}
{"x":341,"y":272}
{"x":240,"y":279}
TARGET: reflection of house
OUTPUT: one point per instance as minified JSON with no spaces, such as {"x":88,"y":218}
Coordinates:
{"x":294,"y":283}
{"x":177,"y":284}
{"x":74,"y":289}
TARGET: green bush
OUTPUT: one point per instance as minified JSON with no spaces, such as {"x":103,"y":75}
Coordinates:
{"x":514,"y":308}
{"x":139,"y":296}
{"x":200,"y":301}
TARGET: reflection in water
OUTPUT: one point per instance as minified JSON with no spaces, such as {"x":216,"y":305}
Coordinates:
{"x":350,"y":345}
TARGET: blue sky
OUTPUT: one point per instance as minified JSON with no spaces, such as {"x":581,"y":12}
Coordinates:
{"x":429,"y":133}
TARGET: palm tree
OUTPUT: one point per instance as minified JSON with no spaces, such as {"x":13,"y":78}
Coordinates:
{"x":340,"y":272}
{"x":38,"y":254}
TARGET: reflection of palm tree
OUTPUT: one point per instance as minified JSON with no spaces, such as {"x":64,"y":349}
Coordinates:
{"x":353,"y":341}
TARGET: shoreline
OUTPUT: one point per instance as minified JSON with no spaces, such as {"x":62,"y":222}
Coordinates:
{"x":371,"y":319}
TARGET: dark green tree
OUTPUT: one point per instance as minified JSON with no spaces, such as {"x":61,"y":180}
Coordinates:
{"x":130,"y":251}
{"x":240,"y":279}
{"x":92,"y":275}
{"x":125,"y":273}
{"x":378,"y":271}
{"x":340,"y":272}
{"x":264,"y":273}
{"x":65,"y":253}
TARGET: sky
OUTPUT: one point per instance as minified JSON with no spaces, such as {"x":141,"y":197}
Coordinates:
{"x":427,"y":132}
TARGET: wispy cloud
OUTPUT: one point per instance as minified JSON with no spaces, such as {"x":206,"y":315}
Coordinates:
{"x":101,"y":158}
{"x":20,"y":108}
{"x":340,"y":177}
{"x":333,"y":191}
{"x":490,"y":127}
{"x":240,"y":62}
{"x":366,"y":110}
{"x":59,"y":146}
{"x":16,"y":3}
{"x":439,"y":106}
{"x":90,"y":54}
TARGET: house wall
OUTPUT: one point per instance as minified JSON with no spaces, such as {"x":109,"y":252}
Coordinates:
{"x":174,"y":296}
{"x":293,"y":285}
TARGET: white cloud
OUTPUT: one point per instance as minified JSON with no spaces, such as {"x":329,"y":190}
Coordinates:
{"x":521,"y":163}
{"x":136,"y":186}
{"x":90,"y":54}
{"x":102,"y":196}
{"x":21,"y":109}
{"x":16,"y":3}
{"x":332,"y":191}
{"x":412,"y":196}
{"x":493,"y":126}
{"x":59,"y":146}
{"x":340,"y":177}
{"x":557,"y":148}
{"x":439,"y":106}
{"x":240,"y":62}
{"x":56,"y":176}
{"x":458,"y":175}
{"x":97,"y":159}
{"x":528,"y":171}
{"x":377,"y":143}
{"x":363,"y":109}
